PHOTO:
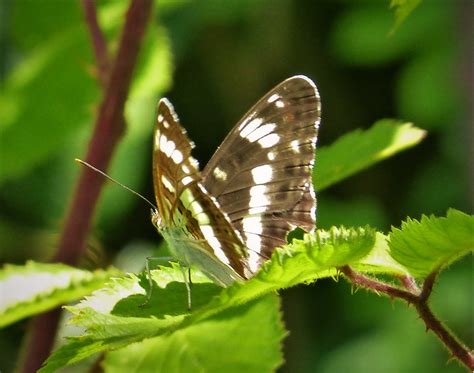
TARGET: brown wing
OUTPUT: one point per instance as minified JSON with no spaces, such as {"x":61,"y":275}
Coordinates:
{"x":261,"y":174}
{"x":184,"y":206}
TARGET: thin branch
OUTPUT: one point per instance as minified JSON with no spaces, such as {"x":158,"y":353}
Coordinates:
{"x":377,"y":286}
{"x":420,"y":301}
{"x":428,"y":286}
{"x":98,"y":41}
{"x":109,"y":127}
{"x":457,"y":349}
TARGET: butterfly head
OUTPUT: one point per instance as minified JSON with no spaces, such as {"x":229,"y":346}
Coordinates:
{"x":156,"y":218}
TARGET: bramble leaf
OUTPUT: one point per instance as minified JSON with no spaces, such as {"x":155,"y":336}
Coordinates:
{"x":245,"y":338}
{"x":114,"y":318}
{"x":432,"y":243}
{"x":362,"y":148}
{"x":36,"y":287}
{"x":379,"y":260}
{"x":403,"y":8}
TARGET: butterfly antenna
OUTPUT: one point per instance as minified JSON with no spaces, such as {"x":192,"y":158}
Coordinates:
{"x":115,"y":181}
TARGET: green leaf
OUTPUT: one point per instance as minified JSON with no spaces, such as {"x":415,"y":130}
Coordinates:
{"x":51,"y":94}
{"x":362,"y":148}
{"x":48,"y":92}
{"x":114,"y":316}
{"x":433,"y":243}
{"x":36,"y":287}
{"x":114,"y":319}
{"x":246,"y":338}
{"x":316,"y":256}
{"x":379,"y":260}
{"x":403,"y":8}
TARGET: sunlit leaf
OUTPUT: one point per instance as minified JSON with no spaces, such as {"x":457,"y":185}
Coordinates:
{"x":36,"y":287}
{"x":246,"y":338}
{"x":114,"y":317}
{"x":433,"y":242}
{"x":362,"y":148}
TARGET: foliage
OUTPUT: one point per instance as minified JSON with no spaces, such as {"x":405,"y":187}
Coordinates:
{"x":35,"y":287}
{"x":402,"y":9}
{"x":115,"y":318}
{"x":358,"y":150}
{"x":429,"y":245}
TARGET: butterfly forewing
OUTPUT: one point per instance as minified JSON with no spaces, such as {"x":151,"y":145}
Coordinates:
{"x":197,"y":230}
{"x":173,"y":165}
{"x":261,"y":174}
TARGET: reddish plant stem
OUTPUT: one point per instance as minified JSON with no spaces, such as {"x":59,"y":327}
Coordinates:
{"x":410,"y":284}
{"x":419,"y":301}
{"x":98,"y":41}
{"x":109,"y":127}
{"x":428,"y":287}
{"x":457,"y":349}
{"x":41,"y":334}
{"x":377,"y":286}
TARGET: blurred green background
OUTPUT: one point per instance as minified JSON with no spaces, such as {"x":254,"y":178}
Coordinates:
{"x":214,"y":59}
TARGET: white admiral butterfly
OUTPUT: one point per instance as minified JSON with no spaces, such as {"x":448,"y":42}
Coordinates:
{"x":227,"y":219}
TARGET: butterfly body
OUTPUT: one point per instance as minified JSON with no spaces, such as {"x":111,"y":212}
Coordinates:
{"x":257,"y":187}
{"x":197,"y":253}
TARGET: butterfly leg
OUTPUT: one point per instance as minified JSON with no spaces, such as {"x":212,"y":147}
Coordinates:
{"x":189,"y":278}
{"x":187,"y":282}
{"x":148,"y":275}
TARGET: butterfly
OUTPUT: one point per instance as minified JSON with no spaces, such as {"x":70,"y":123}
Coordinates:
{"x":227,"y":219}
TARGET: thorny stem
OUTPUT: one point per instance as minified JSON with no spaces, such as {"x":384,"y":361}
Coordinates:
{"x":410,"y":284}
{"x":108,"y":129}
{"x":420,"y":301}
{"x":428,"y":286}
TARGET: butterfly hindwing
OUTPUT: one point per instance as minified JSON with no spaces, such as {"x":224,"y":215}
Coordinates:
{"x":261,"y":173}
